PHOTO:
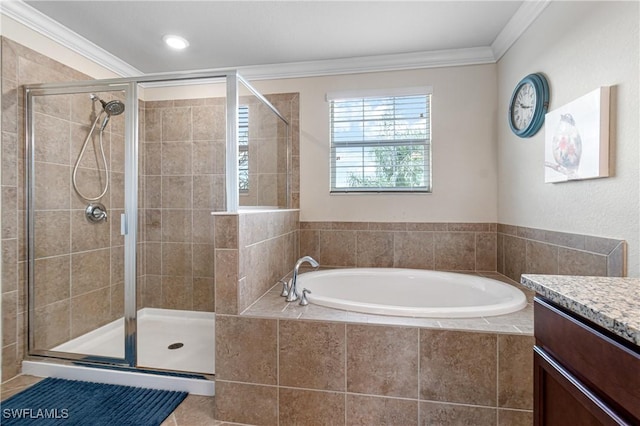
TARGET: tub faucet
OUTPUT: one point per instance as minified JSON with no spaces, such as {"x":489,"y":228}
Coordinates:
{"x":293,"y":290}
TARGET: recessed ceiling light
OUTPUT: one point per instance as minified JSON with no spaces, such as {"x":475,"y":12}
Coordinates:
{"x":175,"y":42}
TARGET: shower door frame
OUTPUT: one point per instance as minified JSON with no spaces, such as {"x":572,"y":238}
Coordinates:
{"x":128,"y":219}
{"x":231,"y":79}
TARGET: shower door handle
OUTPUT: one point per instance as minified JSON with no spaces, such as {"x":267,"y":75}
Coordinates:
{"x":123,"y":224}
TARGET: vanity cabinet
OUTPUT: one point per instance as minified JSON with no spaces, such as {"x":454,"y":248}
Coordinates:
{"x":583,"y":374}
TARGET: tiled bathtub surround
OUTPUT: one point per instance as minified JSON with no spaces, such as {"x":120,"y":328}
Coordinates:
{"x":285,"y":364}
{"x":443,"y":246}
{"x":535,"y":251}
{"x":510,"y":250}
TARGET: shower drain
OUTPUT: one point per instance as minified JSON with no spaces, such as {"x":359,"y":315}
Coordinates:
{"x":175,"y":346}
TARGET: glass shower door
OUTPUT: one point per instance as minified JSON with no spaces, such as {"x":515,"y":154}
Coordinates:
{"x":77,"y":255}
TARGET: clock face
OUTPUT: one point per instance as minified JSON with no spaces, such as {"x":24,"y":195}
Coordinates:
{"x":528,"y":105}
{"x":524,"y":106}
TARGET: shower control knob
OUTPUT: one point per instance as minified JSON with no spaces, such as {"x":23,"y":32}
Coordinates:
{"x":96,"y":212}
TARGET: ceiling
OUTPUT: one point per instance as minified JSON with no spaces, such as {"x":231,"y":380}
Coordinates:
{"x":237,"y":34}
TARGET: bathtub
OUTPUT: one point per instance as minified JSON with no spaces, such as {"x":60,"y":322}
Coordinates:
{"x":411,"y":292}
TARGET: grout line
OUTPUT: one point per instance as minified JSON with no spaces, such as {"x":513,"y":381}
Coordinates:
{"x":346,"y":372}
{"x":420,"y":371}
{"x":278,"y":370}
{"x":475,"y":251}
{"x":497,"y":371}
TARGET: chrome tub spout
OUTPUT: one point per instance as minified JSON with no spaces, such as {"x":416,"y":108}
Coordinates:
{"x":293,"y":290}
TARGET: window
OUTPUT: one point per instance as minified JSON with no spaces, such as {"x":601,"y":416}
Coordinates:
{"x":243,"y":148}
{"x":381,"y":143}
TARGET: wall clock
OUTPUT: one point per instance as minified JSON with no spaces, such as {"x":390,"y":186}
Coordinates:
{"x":528,"y":105}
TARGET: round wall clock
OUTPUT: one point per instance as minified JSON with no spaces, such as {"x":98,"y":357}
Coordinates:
{"x":528,"y":105}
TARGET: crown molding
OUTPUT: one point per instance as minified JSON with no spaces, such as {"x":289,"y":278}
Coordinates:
{"x":39,"y":22}
{"x":524,"y":16}
{"x":356,"y":65}
{"x":364,"y":64}
{"x":517,"y":25}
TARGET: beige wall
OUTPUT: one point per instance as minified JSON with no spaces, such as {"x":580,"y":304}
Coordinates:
{"x":598,"y":48}
{"x":464,"y":147}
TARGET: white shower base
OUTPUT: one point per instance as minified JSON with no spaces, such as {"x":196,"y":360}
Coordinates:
{"x":157,"y":329}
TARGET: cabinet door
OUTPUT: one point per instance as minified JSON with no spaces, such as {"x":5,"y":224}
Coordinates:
{"x":563,"y":400}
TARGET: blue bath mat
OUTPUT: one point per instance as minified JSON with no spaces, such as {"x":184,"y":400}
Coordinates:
{"x":68,"y":402}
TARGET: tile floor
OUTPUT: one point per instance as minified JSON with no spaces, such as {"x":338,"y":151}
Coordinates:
{"x":195,"y":410}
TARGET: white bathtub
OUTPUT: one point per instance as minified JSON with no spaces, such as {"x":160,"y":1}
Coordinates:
{"x":411,"y":292}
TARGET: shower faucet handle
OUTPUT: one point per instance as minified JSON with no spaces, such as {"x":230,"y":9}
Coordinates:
{"x":96,"y":212}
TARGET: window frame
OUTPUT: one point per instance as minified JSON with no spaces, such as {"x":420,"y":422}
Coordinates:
{"x":384,"y":96}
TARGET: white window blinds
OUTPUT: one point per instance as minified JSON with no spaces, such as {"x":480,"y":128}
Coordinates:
{"x":243,"y":148}
{"x":381,"y":143}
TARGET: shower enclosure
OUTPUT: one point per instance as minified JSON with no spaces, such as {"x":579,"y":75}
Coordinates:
{"x":122,"y":179}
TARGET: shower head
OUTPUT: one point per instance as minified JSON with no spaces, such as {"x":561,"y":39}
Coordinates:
{"x":112,"y":107}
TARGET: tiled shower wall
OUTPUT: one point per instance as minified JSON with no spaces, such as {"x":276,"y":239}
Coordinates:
{"x":184,"y":181}
{"x":79,"y":265}
{"x":21,"y":66}
{"x":288,"y":104}
{"x":68,"y":301}
{"x":268,"y":153}
{"x":183,"y":149}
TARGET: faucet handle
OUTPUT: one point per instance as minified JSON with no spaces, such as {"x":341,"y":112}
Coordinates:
{"x":285,"y":288}
{"x":303,"y":298}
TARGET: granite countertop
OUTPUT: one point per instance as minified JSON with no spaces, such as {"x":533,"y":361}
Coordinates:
{"x":613,"y":303}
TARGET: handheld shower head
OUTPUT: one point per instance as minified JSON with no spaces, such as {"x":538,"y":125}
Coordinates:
{"x":112,"y":107}
{"x":104,"y":122}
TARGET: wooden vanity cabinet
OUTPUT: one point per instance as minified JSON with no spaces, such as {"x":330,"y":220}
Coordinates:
{"x":583,"y":374}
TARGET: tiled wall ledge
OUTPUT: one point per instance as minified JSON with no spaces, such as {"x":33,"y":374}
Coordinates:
{"x":252,"y":251}
{"x":441,"y":246}
{"x":286,"y":371}
{"x":536,"y":251}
